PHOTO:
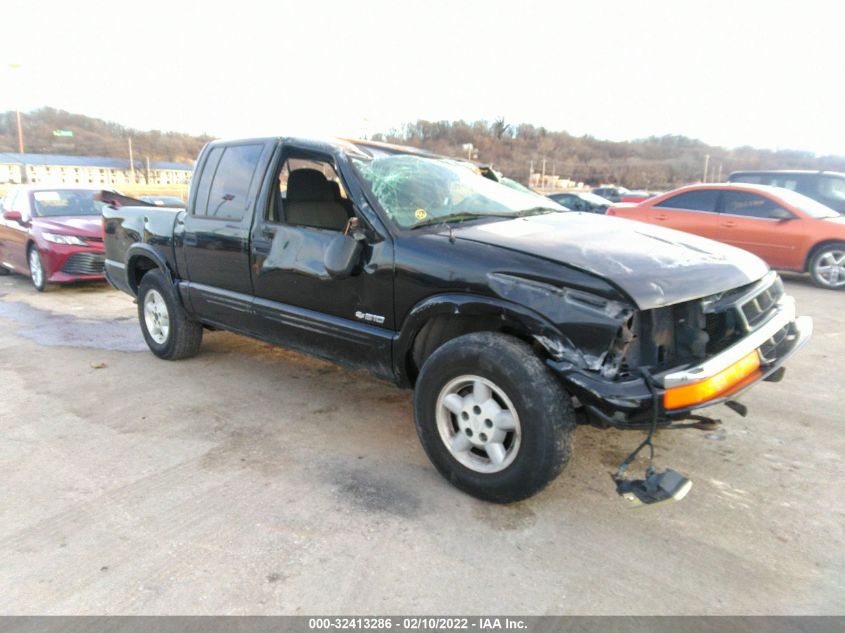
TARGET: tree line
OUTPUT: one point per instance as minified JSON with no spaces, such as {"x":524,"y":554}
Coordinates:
{"x":94,"y":137}
{"x":656,"y":162}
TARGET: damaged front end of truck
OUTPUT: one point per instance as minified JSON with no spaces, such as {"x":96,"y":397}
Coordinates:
{"x":665,"y":363}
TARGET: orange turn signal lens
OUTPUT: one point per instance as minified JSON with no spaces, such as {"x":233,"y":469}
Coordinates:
{"x":709,"y":388}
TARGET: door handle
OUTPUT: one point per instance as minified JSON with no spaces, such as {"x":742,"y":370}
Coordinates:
{"x":728,"y":223}
{"x":661,"y":217}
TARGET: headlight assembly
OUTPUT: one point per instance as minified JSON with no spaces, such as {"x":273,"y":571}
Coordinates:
{"x":56,"y":238}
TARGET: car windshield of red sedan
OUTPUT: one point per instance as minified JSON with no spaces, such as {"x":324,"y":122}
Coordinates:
{"x":59,"y":202}
{"x":807,"y":205}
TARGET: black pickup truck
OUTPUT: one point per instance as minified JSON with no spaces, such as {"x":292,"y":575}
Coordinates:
{"x":509,"y":316}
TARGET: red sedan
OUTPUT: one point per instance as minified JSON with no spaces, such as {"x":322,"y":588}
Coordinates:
{"x":786,"y":229}
{"x":54,"y":235}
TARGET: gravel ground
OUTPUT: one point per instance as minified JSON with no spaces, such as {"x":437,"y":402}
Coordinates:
{"x":251,"y":480}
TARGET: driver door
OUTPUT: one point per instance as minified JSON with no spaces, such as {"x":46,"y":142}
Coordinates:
{"x":297,"y":303}
{"x":758,"y":224}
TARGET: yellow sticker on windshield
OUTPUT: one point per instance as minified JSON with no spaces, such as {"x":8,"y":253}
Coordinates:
{"x":421,"y":214}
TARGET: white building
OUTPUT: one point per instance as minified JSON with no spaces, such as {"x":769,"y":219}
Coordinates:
{"x":88,"y":170}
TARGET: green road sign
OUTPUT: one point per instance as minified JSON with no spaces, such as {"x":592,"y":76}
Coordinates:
{"x":65,"y":133}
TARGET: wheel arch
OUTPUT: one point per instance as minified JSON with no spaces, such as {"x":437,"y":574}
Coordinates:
{"x":441,"y":318}
{"x":141,"y":259}
{"x":816,"y":248}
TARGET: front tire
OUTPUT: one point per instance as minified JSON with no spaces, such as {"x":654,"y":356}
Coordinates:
{"x":827,"y":266}
{"x":36,"y":269}
{"x":169,"y":332}
{"x":492,"y":417}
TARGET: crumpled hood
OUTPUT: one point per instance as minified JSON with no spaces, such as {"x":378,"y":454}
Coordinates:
{"x":653,"y":265}
{"x":88,"y":226}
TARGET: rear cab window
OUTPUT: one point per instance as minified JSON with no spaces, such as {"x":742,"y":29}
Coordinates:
{"x":228,"y":182}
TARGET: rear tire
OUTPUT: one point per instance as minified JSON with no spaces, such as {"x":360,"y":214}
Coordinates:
{"x":827,"y":266}
{"x":169,"y":332}
{"x":492,"y":417}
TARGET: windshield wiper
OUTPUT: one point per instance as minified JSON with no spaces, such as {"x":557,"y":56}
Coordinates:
{"x":458,"y":217}
{"x":535,"y":211}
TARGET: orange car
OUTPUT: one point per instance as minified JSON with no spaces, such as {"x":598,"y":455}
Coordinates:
{"x":788,"y":230}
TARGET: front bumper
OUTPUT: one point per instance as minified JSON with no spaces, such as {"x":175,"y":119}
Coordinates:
{"x":64,"y":263}
{"x":632,"y":402}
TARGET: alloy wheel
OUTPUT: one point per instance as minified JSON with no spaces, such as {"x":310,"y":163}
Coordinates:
{"x":36,"y":270}
{"x":478,"y":424}
{"x":156,"y":317}
{"x":830,"y":268}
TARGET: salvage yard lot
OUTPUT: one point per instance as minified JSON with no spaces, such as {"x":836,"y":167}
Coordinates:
{"x":251,"y":480}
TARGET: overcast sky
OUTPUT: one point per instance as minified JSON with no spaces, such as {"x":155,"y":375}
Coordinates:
{"x":767,"y":74}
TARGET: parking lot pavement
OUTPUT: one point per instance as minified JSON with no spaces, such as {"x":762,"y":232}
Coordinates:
{"x":251,"y":480}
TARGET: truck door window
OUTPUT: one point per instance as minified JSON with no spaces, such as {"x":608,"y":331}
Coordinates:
{"x":311,"y":194}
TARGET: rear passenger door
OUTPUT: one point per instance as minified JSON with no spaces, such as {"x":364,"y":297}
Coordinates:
{"x":216,"y":232}
{"x":692,"y":211}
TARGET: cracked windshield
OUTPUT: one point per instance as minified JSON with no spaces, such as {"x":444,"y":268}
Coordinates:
{"x":416,"y":191}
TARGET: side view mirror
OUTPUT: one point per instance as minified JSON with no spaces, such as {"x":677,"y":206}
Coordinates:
{"x":782,"y":214}
{"x":15,"y":216}
{"x":342,"y":256}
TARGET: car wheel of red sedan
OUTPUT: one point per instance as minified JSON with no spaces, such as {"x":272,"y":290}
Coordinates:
{"x":828,"y":266}
{"x":36,"y":270}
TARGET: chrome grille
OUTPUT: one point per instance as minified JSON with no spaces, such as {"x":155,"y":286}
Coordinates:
{"x":756,"y":309}
{"x":769,"y":350}
{"x":84,"y":264}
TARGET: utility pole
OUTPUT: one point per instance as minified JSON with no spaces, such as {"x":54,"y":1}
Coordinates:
{"x":18,"y":115}
{"x":543,"y":177}
{"x":131,"y":162}
{"x":706,"y":166}
{"x":530,"y":171}
{"x":24,"y":178}
{"x":148,"y":170}
{"x":20,"y":131}
{"x":719,"y":173}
